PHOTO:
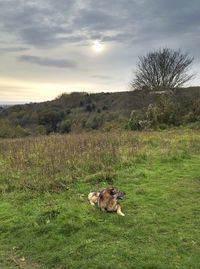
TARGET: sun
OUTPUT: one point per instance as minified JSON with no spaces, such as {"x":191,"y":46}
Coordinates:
{"x":97,"y":46}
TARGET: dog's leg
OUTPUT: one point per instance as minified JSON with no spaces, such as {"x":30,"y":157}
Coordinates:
{"x":119,"y":211}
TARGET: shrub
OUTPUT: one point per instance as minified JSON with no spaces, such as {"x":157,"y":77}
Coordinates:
{"x":65,"y":126}
{"x":94,"y":122}
{"x":90,"y":108}
{"x":9,"y":131}
{"x":135,"y":121}
{"x":166,"y":111}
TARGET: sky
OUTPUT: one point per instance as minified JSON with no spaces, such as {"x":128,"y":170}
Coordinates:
{"x":48,"y":47}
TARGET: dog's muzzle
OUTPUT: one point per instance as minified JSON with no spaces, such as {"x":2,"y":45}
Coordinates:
{"x":120,"y":195}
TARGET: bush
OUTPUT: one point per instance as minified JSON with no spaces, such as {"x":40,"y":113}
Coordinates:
{"x":152,"y":115}
{"x":166,"y":111}
{"x":94,"y":122}
{"x":8,"y":131}
{"x":39,"y":130}
{"x":194,"y":125}
{"x":136,"y":121}
{"x":90,"y":108}
{"x":65,"y":126}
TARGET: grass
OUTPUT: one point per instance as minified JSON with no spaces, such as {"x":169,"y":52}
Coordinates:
{"x":46,"y":221}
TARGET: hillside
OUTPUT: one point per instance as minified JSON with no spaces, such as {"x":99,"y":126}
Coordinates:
{"x":82,"y":111}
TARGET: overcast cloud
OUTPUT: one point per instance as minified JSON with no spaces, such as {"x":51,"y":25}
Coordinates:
{"x":50,"y":41}
{"x":59,"y":63}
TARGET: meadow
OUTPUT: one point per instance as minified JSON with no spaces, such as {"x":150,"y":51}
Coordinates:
{"x":46,"y":221}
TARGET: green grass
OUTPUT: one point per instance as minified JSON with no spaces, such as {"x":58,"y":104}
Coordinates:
{"x":59,"y":229}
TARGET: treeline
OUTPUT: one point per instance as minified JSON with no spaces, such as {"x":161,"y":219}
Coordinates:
{"x":167,"y":112}
{"x":135,"y":110}
{"x":68,"y":112}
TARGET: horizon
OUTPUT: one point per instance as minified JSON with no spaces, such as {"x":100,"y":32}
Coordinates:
{"x":48,"y":48}
{"x":10,"y":103}
{"x":13,"y":103}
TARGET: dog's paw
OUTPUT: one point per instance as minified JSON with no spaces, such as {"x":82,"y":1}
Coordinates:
{"x":121,"y":214}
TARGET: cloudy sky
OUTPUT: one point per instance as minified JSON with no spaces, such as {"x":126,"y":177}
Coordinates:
{"x":48,"y":47}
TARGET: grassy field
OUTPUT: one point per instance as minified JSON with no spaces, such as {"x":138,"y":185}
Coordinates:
{"x":46,"y":221}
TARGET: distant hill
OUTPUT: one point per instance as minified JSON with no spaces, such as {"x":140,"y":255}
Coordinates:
{"x":82,"y":111}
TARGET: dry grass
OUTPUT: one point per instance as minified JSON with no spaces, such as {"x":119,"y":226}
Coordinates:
{"x":51,"y":163}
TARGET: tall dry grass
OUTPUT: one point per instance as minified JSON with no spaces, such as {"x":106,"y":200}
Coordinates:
{"x":52,"y":163}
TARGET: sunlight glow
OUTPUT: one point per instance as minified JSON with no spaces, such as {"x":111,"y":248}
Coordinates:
{"x":98,"y":46}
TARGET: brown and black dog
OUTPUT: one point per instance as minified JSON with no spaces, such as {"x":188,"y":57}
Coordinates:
{"x":107,"y":199}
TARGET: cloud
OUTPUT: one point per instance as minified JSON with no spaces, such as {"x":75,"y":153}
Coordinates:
{"x":13,"y":49}
{"x":103,"y":77}
{"x":14,"y":89}
{"x":51,"y":29}
{"x":95,"y":20}
{"x":59,"y":63}
{"x":50,"y":23}
{"x":38,"y":23}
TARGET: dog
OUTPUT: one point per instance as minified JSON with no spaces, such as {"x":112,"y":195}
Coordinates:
{"x":107,"y":200}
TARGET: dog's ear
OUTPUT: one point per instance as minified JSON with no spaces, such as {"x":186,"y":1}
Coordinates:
{"x":113,"y":191}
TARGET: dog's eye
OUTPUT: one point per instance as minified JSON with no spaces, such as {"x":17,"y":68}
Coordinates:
{"x":113,"y":191}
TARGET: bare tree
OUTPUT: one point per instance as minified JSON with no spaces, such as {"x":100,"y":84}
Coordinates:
{"x":162,"y":69}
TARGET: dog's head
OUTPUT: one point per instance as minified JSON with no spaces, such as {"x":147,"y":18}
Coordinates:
{"x":117,"y":194}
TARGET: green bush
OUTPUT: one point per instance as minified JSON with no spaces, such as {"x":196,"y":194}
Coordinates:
{"x":9,"y":131}
{"x":136,"y":121}
{"x":94,"y":122}
{"x":65,"y":126}
{"x":5,"y":130}
{"x":166,"y":111}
